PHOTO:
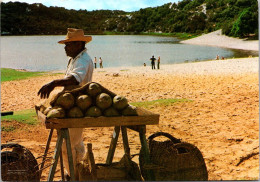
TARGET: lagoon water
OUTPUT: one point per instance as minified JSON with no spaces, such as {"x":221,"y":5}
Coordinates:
{"x":43,"y":53}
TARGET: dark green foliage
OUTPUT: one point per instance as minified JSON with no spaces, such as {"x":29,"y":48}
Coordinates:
{"x":235,"y":17}
{"x":245,"y":24}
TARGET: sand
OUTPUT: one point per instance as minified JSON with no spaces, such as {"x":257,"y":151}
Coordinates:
{"x":221,"y":119}
{"x":218,"y":39}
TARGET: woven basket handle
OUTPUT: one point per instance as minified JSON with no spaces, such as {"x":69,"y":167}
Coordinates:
{"x":10,"y":145}
{"x":167,"y":135}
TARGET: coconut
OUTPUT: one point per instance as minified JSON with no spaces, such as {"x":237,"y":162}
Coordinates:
{"x":103,"y":101}
{"x":94,"y":89}
{"x":83,"y":102}
{"x":75,"y":112}
{"x":130,"y":111}
{"x":111,"y":112}
{"x":120,"y":102}
{"x":93,"y":111}
{"x":56,"y":112}
{"x":65,"y":100}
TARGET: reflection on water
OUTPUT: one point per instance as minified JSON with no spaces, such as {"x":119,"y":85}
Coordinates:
{"x":43,"y":53}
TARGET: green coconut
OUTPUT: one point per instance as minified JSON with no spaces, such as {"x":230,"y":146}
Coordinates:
{"x":93,"y":111}
{"x":130,"y":111}
{"x":75,"y":112}
{"x":120,"y":102}
{"x":94,"y":89}
{"x":65,"y":100}
{"x":56,"y":112}
{"x":103,"y":101}
{"x":83,"y":102}
{"x":111,"y":112}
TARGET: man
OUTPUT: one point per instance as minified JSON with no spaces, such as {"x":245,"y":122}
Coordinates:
{"x":153,"y":62}
{"x":100,"y":62}
{"x":79,"y":72}
{"x":95,"y":62}
{"x":158,"y":62}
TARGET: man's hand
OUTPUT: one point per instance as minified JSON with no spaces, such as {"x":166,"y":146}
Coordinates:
{"x":46,"y":89}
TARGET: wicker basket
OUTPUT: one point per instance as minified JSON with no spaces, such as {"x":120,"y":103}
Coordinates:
{"x":173,"y":160}
{"x":18,"y":164}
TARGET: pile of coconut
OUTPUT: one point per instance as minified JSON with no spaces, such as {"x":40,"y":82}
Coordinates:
{"x":90,"y":100}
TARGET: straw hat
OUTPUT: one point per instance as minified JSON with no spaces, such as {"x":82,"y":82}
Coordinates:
{"x":75,"y":35}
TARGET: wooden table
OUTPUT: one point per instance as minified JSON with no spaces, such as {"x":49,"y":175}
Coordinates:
{"x":137,"y":123}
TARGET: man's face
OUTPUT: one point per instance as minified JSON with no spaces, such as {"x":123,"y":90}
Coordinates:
{"x":72,"y":49}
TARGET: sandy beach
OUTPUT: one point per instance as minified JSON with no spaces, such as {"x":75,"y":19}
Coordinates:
{"x":218,"y":39}
{"x":221,"y":119}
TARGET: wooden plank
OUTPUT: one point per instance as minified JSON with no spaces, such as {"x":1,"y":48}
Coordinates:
{"x":112,"y":146}
{"x":46,"y":151}
{"x":62,"y":168}
{"x":101,"y":122}
{"x":66,"y":135}
{"x":125,"y":140}
{"x":55,"y":157}
{"x":144,"y":118}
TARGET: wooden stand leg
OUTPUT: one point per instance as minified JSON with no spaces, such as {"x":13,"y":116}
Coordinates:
{"x":61,"y":167}
{"x":125,"y":140}
{"x":56,"y":156}
{"x":65,"y":133}
{"x":147,"y":160}
{"x":112,"y":146}
{"x":46,"y":151}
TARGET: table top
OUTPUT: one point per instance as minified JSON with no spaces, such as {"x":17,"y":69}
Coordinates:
{"x":143,"y":117}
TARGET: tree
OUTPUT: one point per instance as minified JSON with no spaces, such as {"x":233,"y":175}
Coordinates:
{"x":245,"y":24}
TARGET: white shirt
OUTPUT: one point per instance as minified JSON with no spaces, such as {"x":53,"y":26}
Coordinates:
{"x":81,"y":67}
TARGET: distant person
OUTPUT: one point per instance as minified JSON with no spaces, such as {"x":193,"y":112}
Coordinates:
{"x":100,"y":62}
{"x":222,"y":58}
{"x":217,"y":57}
{"x":144,"y":65}
{"x":95,"y":62}
{"x":153,"y":62}
{"x":158,"y":62}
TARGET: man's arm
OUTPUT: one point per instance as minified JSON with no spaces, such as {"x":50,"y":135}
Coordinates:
{"x":46,"y":89}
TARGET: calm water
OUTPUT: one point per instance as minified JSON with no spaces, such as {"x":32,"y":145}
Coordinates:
{"x":43,"y":53}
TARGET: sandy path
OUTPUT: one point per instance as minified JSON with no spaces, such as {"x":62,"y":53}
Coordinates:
{"x":218,"y":39}
{"x":221,"y":120}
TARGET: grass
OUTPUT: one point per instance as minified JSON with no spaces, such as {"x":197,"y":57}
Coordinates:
{"x":7,"y":128}
{"x":25,"y":116}
{"x":8,"y":74}
{"x":178,"y":35}
{"x":160,"y":102}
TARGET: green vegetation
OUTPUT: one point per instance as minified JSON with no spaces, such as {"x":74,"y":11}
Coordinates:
{"x":7,"y":128}
{"x":237,"y":18}
{"x":25,"y":116}
{"x":160,"y":102}
{"x":8,"y":74}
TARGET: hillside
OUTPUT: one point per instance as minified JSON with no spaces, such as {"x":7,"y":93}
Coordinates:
{"x":237,"y":18}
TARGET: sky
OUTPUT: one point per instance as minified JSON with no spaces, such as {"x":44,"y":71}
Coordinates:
{"x":125,"y":5}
